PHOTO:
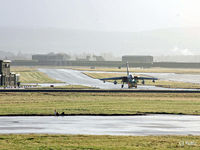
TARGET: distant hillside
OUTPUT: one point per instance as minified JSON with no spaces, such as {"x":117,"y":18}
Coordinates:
{"x":156,"y":42}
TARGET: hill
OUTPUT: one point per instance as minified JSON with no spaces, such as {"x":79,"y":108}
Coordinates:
{"x":156,"y":42}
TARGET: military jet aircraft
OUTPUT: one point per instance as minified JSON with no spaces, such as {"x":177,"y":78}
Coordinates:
{"x":132,"y":81}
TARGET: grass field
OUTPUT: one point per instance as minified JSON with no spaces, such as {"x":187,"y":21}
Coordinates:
{"x":159,"y":83}
{"x":98,"y":103}
{"x":85,"y":142}
{"x":32,"y":75}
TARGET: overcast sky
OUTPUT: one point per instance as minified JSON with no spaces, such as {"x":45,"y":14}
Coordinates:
{"x":104,"y":15}
{"x":101,"y":15}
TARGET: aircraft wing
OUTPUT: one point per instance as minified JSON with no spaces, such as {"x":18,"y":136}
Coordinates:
{"x":115,"y":78}
{"x":146,"y":78}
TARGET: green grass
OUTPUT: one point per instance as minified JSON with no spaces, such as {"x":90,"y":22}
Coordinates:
{"x":86,"y":142}
{"x":158,"y":83}
{"x":32,"y":75}
{"x":98,"y":103}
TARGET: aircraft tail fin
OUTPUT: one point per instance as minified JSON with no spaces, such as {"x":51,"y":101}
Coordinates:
{"x":127,"y":68}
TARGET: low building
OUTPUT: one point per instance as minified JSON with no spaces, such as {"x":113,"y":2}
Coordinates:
{"x":91,"y":58}
{"x":137,"y":59}
{"x":7,"y":78}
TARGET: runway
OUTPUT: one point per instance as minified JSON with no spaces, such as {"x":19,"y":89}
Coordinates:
{"x":73,"y":77}
{"x":103,"y":125}
{"x":188,"y":78}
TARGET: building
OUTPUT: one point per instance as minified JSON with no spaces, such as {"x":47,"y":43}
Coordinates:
{"x":91,"y":58}
{"x":7,"y":79}
{"x":137,"y":59}
{"x":98,"y":58}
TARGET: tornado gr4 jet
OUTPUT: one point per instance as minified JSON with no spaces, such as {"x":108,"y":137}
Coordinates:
{"x":132,"y":81}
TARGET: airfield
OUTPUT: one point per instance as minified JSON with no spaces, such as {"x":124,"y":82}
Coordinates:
{"x":76,"y":77}
{"x":101,"y":111}
{"x":80,"y":78}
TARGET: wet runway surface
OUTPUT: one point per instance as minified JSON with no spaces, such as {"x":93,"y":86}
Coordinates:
{"x":74,"y":77}
{"x":190,"y":78}
{"x":103,"y":125}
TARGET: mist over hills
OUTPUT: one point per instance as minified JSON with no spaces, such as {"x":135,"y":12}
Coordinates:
{"x":172,"y":41}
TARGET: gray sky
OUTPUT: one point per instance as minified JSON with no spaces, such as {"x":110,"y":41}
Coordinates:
{"x":52,"y":16}
{"x":104,"y":15}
